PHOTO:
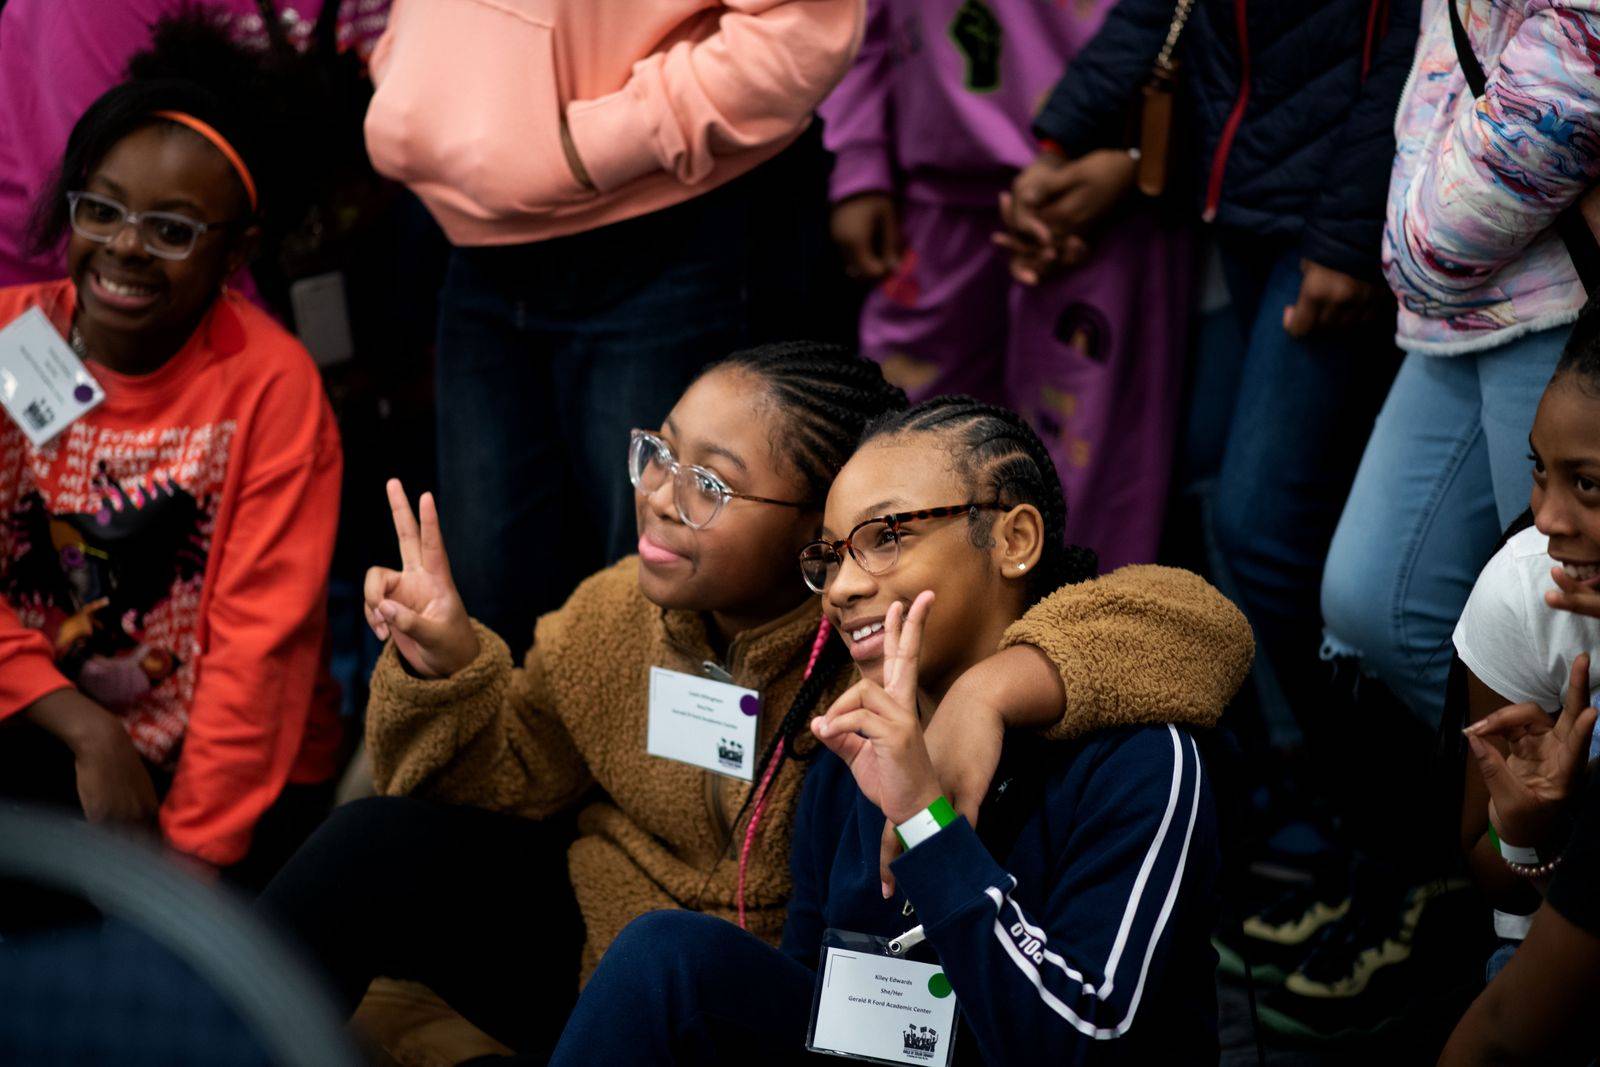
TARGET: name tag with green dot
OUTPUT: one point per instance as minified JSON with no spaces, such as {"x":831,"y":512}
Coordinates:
{"x":876,"y":1006}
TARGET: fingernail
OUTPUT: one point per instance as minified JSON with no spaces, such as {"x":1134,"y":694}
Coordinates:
{"x":387,"y":610}
{"x":819,"y":727}
{"x":887,"y":892}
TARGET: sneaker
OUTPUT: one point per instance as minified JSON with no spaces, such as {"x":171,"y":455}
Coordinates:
{"x":1358,"y":979}
{"x":1278,"y":937}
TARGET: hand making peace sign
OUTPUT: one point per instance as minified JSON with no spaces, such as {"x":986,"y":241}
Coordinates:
{"x":876,"y":730}
{"x":418,"y":605}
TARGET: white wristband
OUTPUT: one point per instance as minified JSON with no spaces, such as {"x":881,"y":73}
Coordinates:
{"x":1510,"y":926}
{"x":1528,"y":857}
{"x":925,"y":823}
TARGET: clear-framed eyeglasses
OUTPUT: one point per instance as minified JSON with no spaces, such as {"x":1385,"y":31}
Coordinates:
{"x":699,"y":494}
{"x":164,"y":234}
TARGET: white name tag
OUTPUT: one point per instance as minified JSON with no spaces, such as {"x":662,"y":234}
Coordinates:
{"x":874,"y":1006}
{"x":703,"y":722}
{"x":44,"y":386}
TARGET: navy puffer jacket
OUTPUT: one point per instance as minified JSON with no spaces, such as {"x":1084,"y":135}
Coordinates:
{"x":1289,"y":107}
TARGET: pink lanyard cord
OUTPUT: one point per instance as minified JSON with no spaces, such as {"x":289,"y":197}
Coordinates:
{"x":762,"y":796}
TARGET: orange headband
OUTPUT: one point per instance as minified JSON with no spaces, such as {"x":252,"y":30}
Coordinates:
{"x":222,"y":145}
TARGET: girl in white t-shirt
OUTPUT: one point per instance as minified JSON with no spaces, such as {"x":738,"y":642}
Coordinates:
{"x":1526,"y":635}
{"x":1525,"y":638}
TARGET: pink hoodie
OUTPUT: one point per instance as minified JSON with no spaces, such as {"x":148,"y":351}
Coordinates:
{"x":665,"y":100}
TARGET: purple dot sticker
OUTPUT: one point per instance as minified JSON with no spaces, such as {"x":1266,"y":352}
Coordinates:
{"x":83,"y":394}
{"x":750,"y":705}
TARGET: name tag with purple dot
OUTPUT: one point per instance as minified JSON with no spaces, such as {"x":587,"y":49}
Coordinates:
{"x":703,"y":722}
{"x":44,"y":386}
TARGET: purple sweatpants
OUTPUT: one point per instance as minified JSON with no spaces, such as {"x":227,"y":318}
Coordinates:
{"x":1092,"y":357}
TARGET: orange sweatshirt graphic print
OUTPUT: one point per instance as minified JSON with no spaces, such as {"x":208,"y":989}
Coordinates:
{"x":167,"y":555}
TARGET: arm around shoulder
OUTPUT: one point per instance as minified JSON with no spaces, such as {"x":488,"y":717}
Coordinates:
{"x":1144,"y":644}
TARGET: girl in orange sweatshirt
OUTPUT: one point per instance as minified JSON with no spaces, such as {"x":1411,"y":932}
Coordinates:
{"x":163,"y":559}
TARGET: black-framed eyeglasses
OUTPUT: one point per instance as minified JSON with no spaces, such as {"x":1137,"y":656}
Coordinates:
{"x":697,"y":492}
{"x":164,"y":234}
{"x":873,"y":543}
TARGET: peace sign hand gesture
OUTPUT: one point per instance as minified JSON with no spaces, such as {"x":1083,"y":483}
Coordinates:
{"x":1530,"y":785}
{"x":418,"y":605}
{"x":875,"y":729}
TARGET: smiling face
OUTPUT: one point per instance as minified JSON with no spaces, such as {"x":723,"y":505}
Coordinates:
{"x":1566,"y":475}
{"x":130,"y":301}
{"x":741,"y":568}
{"x":978,"y":591}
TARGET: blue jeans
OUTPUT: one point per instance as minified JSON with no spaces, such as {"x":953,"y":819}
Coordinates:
{"x":1275,"y":431}
{"x":1445,"y":472}
{"x":549,"y":353}
{"x":680,"y":987}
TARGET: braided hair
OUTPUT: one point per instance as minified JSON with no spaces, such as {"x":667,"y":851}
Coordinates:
{"x":825,"y":395}
{"x":1581,"y":355}
{"x":1002,"y":459}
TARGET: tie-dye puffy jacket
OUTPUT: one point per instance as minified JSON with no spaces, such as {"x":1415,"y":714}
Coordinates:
{"x":1477,"y":183}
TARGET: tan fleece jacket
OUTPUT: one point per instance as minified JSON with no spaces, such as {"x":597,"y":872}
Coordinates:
{"x":1146,"y":644}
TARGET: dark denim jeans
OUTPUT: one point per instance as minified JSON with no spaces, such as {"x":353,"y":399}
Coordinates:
{"x":677,"y":987}
{"x":1276,"y":430}
{"x":549,"y":353}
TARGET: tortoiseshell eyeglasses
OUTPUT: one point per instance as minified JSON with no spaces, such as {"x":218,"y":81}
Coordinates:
{"x":874,"y":543}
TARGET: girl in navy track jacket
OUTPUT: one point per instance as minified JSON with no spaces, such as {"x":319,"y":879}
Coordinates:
{"x":1073,"y":924}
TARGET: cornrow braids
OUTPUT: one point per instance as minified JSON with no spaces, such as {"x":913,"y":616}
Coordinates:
{"x":1581,"y":355}
{"x":1004,"y":461}
{"x":826,"y":395}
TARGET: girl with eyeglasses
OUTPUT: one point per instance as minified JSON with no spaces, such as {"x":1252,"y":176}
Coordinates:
{"x":459,"y":882}
{"x":1072,"y":923}
{"x":164,"y":558}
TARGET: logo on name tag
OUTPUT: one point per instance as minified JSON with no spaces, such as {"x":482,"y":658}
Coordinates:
{"x":921,"y":1042}
{"x":38,"y":414}
{"x":730,"y":753}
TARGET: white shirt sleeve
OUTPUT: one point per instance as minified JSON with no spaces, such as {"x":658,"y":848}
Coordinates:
{"x":1498,"y":639}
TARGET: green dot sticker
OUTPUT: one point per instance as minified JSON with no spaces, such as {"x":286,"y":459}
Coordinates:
{"x":939,"y":985}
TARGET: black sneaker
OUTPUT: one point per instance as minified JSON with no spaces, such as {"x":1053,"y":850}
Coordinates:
{"x":1278,"y":937}
{"x":1359,"y":980}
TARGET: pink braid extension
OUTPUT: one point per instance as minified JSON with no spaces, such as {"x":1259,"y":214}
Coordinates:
{"x":823,"y":630}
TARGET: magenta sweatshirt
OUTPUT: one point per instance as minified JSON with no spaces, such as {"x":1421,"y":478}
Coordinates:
{"x":58,"y":56}
{"x":939,"y":101}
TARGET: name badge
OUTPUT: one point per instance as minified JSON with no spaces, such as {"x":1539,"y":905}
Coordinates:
{"x":873,"y":1005}
{"x":703,"y":722}
{"x":44,"y":386}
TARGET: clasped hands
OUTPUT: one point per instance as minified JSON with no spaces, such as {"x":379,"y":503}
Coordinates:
{"x":1056,"y":204}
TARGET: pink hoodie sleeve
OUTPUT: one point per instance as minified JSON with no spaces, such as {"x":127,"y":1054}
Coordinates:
{"x":858,"y":117}
{"x":754,"y":81}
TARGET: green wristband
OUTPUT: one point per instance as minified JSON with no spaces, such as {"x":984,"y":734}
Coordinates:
{"x":925,"y":823}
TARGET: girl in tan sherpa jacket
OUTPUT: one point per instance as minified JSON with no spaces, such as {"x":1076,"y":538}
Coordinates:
{"x":1073,"y":921}
{"x":452,"y":720}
